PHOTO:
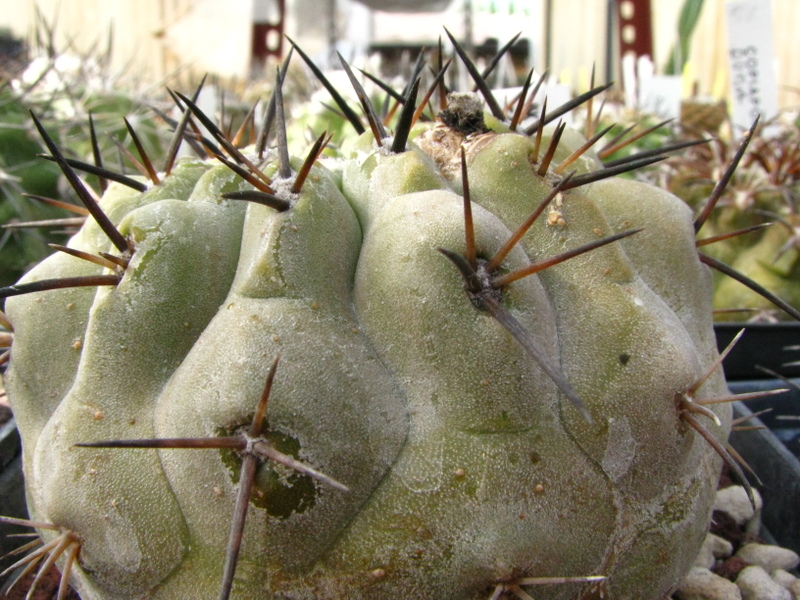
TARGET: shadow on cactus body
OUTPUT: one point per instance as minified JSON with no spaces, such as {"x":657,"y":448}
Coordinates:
{"x":499,"y":419}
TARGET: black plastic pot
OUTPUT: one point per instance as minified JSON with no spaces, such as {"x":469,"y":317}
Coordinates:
{"x":774,"y":346}
{"x":12,"y":490}
{"x":767,"y":349}
{"x":772,"y":453}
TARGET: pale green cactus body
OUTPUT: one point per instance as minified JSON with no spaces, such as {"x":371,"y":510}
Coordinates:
{"x":334,"y":399}
{"x":467,"y":466}
{"x":129,"y":319}
{"x":371,"y":179}
{"x":485,"y":427}
{"x":610,"y":316}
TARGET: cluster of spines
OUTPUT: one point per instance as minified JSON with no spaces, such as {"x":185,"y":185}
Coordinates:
{"x":66,"y":544}
{"x":481,"y":282}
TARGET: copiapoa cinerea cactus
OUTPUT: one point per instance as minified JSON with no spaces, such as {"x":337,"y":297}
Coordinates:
{"x":497,"y":367}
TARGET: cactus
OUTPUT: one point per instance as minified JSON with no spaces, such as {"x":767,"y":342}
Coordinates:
{"x":759,"y":200}
{"x":469,"y":400}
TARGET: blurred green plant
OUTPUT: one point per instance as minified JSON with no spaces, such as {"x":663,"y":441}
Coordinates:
{"x":762,"y":199}
{"x":687,"y":22}
{"x":66,"y":91}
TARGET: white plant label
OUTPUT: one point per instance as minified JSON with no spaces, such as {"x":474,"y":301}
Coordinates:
{"x":753,"y":87}
{"x":658,"y":94}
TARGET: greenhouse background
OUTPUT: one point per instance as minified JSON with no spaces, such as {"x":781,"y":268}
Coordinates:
{"x":168,"y":39}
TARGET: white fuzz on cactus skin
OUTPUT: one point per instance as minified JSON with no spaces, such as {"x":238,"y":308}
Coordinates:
{"x":471,"y":399}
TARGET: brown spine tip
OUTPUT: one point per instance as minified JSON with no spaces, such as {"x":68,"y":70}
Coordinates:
{"x":562,"y":166}
{"x":438,"y":83}
{"x":78,"y":210}
{"x":551,"y":150}
{"x":248,"y":176}
{"x":244,"y":135}
{"x":98,"y":260}
{"x":731,"y":234}
{"x":526,"y":110}
{"x":590,"y":123}
{"x":541,"y":265}
{"x":523,"y":96}
{"x":311,"y":158}
{"x":261,"y":408}
{"x":68,"y":222}
{"x":495,"y":262}
{"x":537,"y":140}
{"x":441,"y":85}
{"x":469,"y":226}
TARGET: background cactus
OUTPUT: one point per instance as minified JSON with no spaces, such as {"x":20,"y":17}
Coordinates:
{"x":470,"y":400}
{"x":81,"y":103}
{"x":761,"y":198}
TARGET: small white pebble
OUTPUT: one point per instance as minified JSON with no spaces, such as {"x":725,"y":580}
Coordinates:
{"x":705,"y":558}
{"x":713,"y":547}
{"x":795,"y":588}
{"x":720,"y":547}
{"x":784,"y":578}
{"x":769,"y":557}
{"x":756,"y":584}
{"x":702,"y":584}
{"x":734,"y":501}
